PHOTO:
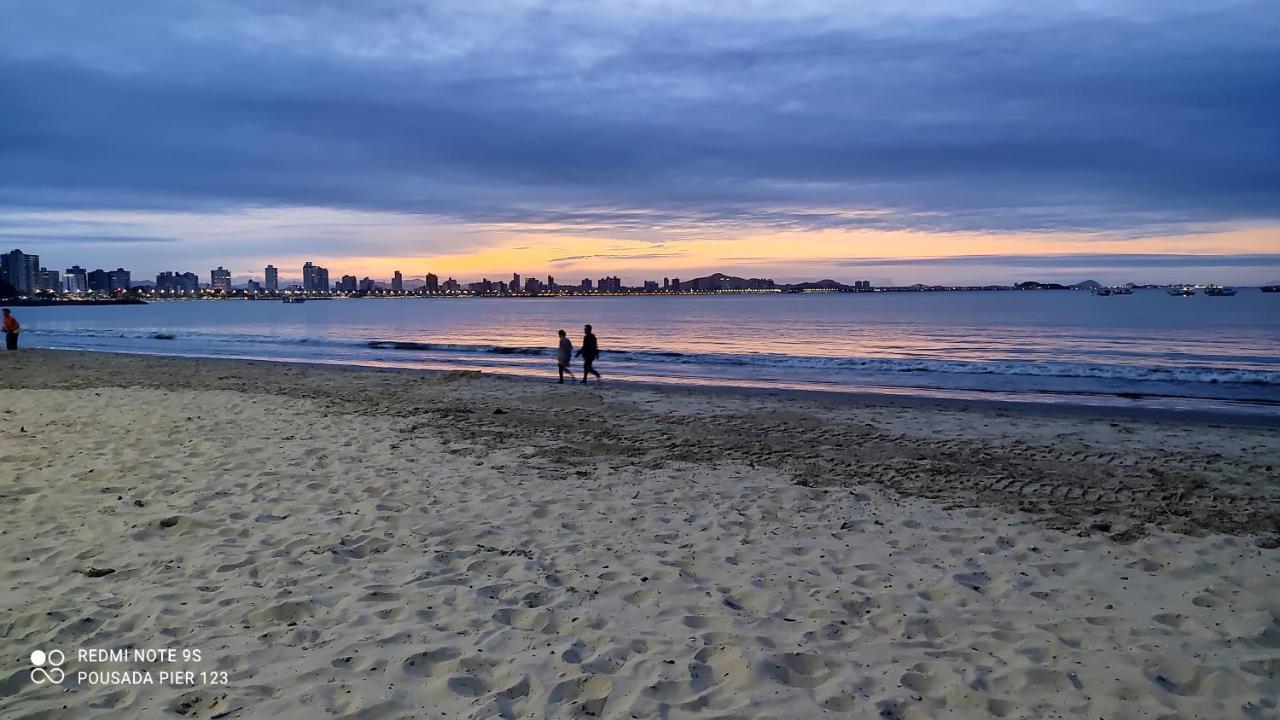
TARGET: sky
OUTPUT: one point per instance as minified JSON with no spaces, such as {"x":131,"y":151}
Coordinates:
{"x":985,"y":141}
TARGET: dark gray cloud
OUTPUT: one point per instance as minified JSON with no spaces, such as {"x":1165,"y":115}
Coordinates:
{"x":26,"y":238}
{"x":1142,"y":119}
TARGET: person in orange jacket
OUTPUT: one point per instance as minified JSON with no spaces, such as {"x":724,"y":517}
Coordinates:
{"x":11,"y":328}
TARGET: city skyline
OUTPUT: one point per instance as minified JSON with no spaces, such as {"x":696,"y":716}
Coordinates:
{"x":28,"y":274}
{"x":922,"y":143}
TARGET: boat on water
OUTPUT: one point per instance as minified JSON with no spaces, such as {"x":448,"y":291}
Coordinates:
{"x":1270,"y":288}
{"x":293,"y":299}
{"x":1219,"y":291}
{"x":1182,"y":291}
{"x":1102,"y":291}
{"x":1122,"y":290}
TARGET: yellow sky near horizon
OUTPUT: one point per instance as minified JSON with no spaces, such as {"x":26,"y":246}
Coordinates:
{"x":570,"y":256}
{"x":376,"y":244}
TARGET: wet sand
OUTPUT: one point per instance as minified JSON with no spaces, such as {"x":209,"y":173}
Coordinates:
{"x":378,"y":544}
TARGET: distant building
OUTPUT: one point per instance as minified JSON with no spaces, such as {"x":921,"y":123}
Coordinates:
{"x":610,"y":284}
{"x":20,"y":270}
{"x":252,"y":287}
{"x":666,"y":283}
{"x":178,"y":283}
{"x":118,"y":280}
{"x":675,"y":284}
{"x":311,"y":278}
{"x":315,"y":278}
{"x":863,"y":285}
{"x":551,"y":283}
{"x":451,"y":286}
{"x":49,"y":280}
{"x":367,"y":285}
{"x":397,"y":282}
{"x":347,"y":284}
{"x":271,"y":279}
{"x":432,"y":284}
{"x":650,"y":286}
{"x":75,"y":280}
{"x":531,"y":285}
{"x":515,"y":282}
{"x":220,"y":280}
{"x":585,"y":285}
{"x":99,"y":282}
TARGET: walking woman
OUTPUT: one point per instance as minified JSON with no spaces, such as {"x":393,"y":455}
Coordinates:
{"x":564,"y":357}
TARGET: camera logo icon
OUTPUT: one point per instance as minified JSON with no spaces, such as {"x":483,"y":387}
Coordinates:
{"x":40,"y":674}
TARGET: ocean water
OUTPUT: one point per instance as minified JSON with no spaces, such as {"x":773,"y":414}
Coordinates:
{"x":1146,"y":349}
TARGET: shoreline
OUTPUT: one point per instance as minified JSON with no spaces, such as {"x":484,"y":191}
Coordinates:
{"x":896,"y":397}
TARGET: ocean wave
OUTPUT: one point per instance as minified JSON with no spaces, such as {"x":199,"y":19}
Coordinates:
{"x":449,"y":347}
{"x":778,"y":362}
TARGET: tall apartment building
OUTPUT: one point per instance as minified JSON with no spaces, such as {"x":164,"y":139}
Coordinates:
{"x":118,"y":280}
{"x":220,"y":279}
{"x":20,"y":270}
{"x":75,"y":279}
{"x":315,"y":278}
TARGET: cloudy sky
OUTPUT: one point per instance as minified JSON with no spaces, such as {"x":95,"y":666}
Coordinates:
{"x":974,"y":141}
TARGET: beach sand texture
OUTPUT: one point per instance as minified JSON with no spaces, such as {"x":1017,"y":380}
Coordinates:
{"x":370,"y":544}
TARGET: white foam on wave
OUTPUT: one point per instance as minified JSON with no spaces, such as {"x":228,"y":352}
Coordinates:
{"x":1189,"y":374}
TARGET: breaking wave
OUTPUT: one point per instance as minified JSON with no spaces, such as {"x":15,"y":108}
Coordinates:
{"x":656,"y":358}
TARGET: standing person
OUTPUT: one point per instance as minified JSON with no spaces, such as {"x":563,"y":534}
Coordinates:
{"x":564,"y":356}
{"x":589,"y":352}
{"x":11,"y":328}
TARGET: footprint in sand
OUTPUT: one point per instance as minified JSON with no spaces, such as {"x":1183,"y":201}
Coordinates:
{"x":797,"y":670}
{"x":427,"y":663}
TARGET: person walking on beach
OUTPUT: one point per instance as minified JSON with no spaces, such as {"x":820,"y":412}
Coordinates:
{"x":564,"y":357}
{"x":11,"y":328}
{"x":589,"y":352}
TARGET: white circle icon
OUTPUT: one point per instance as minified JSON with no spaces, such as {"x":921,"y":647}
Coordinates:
{"x":37,"y":657}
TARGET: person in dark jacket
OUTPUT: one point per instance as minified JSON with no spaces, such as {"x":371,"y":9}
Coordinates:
{"x":588,"y":352}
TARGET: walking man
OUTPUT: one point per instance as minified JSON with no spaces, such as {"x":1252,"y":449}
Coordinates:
{"x":11,"y":329}
{"x":564,"y":357}
{"x":589,"y":352}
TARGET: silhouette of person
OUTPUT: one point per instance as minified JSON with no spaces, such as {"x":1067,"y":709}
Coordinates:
{"x":564,"y":357}
{"x":589,"y":352}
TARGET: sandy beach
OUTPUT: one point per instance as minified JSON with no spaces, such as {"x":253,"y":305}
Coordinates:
{"x":357,"y":543}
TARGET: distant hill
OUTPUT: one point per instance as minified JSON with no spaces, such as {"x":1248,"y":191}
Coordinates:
{"x":1087,"y":285}
{"x":819,"y":285}
{"x":720,"y":281}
